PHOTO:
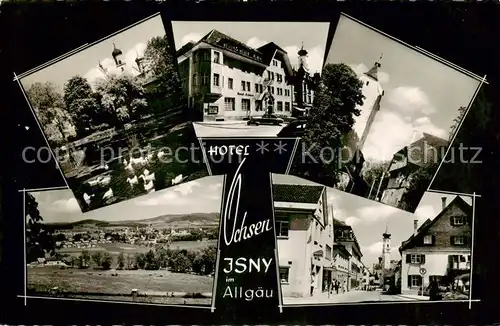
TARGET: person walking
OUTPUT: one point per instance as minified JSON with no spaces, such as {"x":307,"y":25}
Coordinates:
{"x":313,"y":282}
{"x":434,"y":292}
{"x":337,"y":286}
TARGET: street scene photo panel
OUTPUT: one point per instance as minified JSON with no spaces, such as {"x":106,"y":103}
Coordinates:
{"x":248,"y":79}
{"x":158,"y":249}
{"x":383,"y":117}
{"x":335,"y":247}
{"x":114,"y":117}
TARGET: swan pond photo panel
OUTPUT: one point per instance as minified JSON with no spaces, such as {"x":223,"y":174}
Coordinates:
{"x":248,"y":79}
{"x":383,"y":117}
{"x":114,"y":117}
{"x":159,"y":249}
{"x":335,"y":247}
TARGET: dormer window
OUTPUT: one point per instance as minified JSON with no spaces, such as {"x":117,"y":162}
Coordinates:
{"x":428,"y":240}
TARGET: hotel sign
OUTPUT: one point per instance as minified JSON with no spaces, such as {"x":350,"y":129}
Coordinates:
{"x":244,"y":94}
{"x":238,"y":49}
{"x":318,"y":254}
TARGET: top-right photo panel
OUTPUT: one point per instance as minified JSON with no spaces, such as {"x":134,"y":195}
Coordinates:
{"x":384,"y":116}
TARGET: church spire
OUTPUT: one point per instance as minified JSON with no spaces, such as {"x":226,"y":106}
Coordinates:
{"x":386,"y":233}
{"x":373,"y":72}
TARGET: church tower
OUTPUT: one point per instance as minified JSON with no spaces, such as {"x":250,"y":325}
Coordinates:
{"x":386,"y":249}
{"x":117,"y":57}
{"x":373,"y":92}
{"x":303,"y":58}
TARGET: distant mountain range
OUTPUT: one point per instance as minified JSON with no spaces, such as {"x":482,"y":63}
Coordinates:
{"x":163,"y":221}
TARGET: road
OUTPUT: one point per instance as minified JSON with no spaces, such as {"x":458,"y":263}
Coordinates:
{"x":352,"y":296}
{"x":234,"y":129}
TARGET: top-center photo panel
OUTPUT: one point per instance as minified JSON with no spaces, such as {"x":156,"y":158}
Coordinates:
{"x":248,"y":79}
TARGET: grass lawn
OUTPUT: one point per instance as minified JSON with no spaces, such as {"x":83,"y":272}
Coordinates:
{"x":43,"y":279}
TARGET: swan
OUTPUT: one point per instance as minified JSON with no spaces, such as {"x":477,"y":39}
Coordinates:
{"x":149,"y":186}
{"x":87,"y":198}
{"x":93,"y":183}
{"x":148,"y":176}
{"x":104,"y":181}
{"x":108,"y":194}
{"x":132,"y":181}
{"x":177,"y":179}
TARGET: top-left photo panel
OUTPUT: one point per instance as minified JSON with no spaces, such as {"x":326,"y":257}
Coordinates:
{"x":114,"y":116}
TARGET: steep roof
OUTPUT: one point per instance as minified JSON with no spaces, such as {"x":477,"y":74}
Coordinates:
{"x":308,"y":194}
{"x":269,"y":51}
{"x":422,"y":230}
{"x":418,"y":157}
{"x":215,"y":38}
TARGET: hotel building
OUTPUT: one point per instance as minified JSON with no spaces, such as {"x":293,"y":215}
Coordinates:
{"x":224,"y":79}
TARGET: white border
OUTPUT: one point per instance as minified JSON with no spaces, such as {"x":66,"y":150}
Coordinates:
{"x":217,"y":261}
{"x":472,"y":248}
{"x":25,"y":296}
{"x":276,"y":255}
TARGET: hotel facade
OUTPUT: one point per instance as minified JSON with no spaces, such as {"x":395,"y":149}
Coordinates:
{"x":224,"y":79}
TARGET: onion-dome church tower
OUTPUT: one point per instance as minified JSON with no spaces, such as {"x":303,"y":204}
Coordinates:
{"x":373,"y":92}
{"x":386,"y":249}
{"x":117,"y":57}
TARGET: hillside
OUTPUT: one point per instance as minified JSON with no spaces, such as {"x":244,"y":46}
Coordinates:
{"x":163,"y":221}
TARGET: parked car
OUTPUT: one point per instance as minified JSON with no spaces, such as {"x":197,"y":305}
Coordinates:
{"x":266,"y":119}
{"x":295,"y":128}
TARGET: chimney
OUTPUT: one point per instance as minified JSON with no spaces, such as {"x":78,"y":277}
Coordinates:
{"x":443,"y":203}
{"x":415,"y":227}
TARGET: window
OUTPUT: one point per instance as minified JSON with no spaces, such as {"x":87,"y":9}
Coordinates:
{"x":268,"y":75}
{"x":261,"y":88}
{"x":280,"y":91}
{"x":279,"y":78}
{"x":229,"y":104}
{"x":243,"y":86}
{"x":258,"y":105}
{"x":213,"y":109}
{"x":269,"y":89}
{"x":284,"y":274}
{"x":272,"y":75}
{"x":245,"y":104}
{"x":457,"y":220}
{"x":287,"y":92}
{"x":414,"y":280}
{"x":272,"y":90}
{"x":216,"y":57}
{"x":282,"y":228}
{"x":204,"y":80}
{"x":415,"y":259}
{"x":458,"y":240}
{"x":287,"y":106}
{"x":428,"y":239}
{"x":195,"y":82}
{"x":367,"y":82}
{"x":206,"y":56}
{"x":256,"y":88}
{"x":216,"y":80}
{"x":230,"y":83}
{"x":248,"y":87}
{"x":435,"y":278}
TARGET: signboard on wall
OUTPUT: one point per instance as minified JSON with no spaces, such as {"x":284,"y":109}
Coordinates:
{"x":213,"y":109}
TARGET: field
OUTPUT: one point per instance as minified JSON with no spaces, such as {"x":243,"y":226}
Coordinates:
{"x":116,"y":248}
{"x":102,"y":285}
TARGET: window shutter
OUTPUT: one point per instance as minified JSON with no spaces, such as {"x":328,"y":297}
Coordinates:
{"x":423,"y":259}
{"x":466,"y":241}
{"x":409,"y":281}
{"x":433,"y":239}
{"x":408,"y":258}
{"x":451,"y":221}
{"x":450,"y":261}
{"x":452,"y":240}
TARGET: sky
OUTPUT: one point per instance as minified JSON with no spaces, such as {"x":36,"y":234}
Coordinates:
{"x":421,"y":94}
{"x":199,"y":196}
{"x":369,"y":219}
{"x":288,"y":35}
{"x":131,"y":42}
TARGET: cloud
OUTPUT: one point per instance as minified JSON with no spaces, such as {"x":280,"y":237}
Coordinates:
{"x":361,"y":68}
{"x":315,"y":56}
{"x":167,"y":197}
{"x":109,"y":64}
{"x":186,"y":188}
{"x":195,"y":37}
{"x":66,"y":205}
{"x":411,"y":99}
{"x":375,"y":213}
{"x":352,"y":220}
{"x":424,"y":212}
{"x":390,"y":132}
{"x":255,"y":42}
{"x":374,"y":249}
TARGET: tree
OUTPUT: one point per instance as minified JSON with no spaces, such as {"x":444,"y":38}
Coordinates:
{"x":140,"y":260}
{"x":129,"y":261}
{"x":121,"y":260}
{"x":107,"y":260}
{"x":81,"y":103}
{"x":335,"y":107}
{"x":84,"y":259}
{"x":39,"y":239}
{"x":418,"y":184}
{"x":49,"y":107}
{"x":97,"y":257}
{"x":180,"y":263}
{"x":122,"y":97}
{"x":161,"y":65}
{"x":373,"y":172}
{"x":151,"y":261}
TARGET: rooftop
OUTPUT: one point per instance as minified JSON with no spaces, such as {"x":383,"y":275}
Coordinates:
{"x":309,"y":194}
